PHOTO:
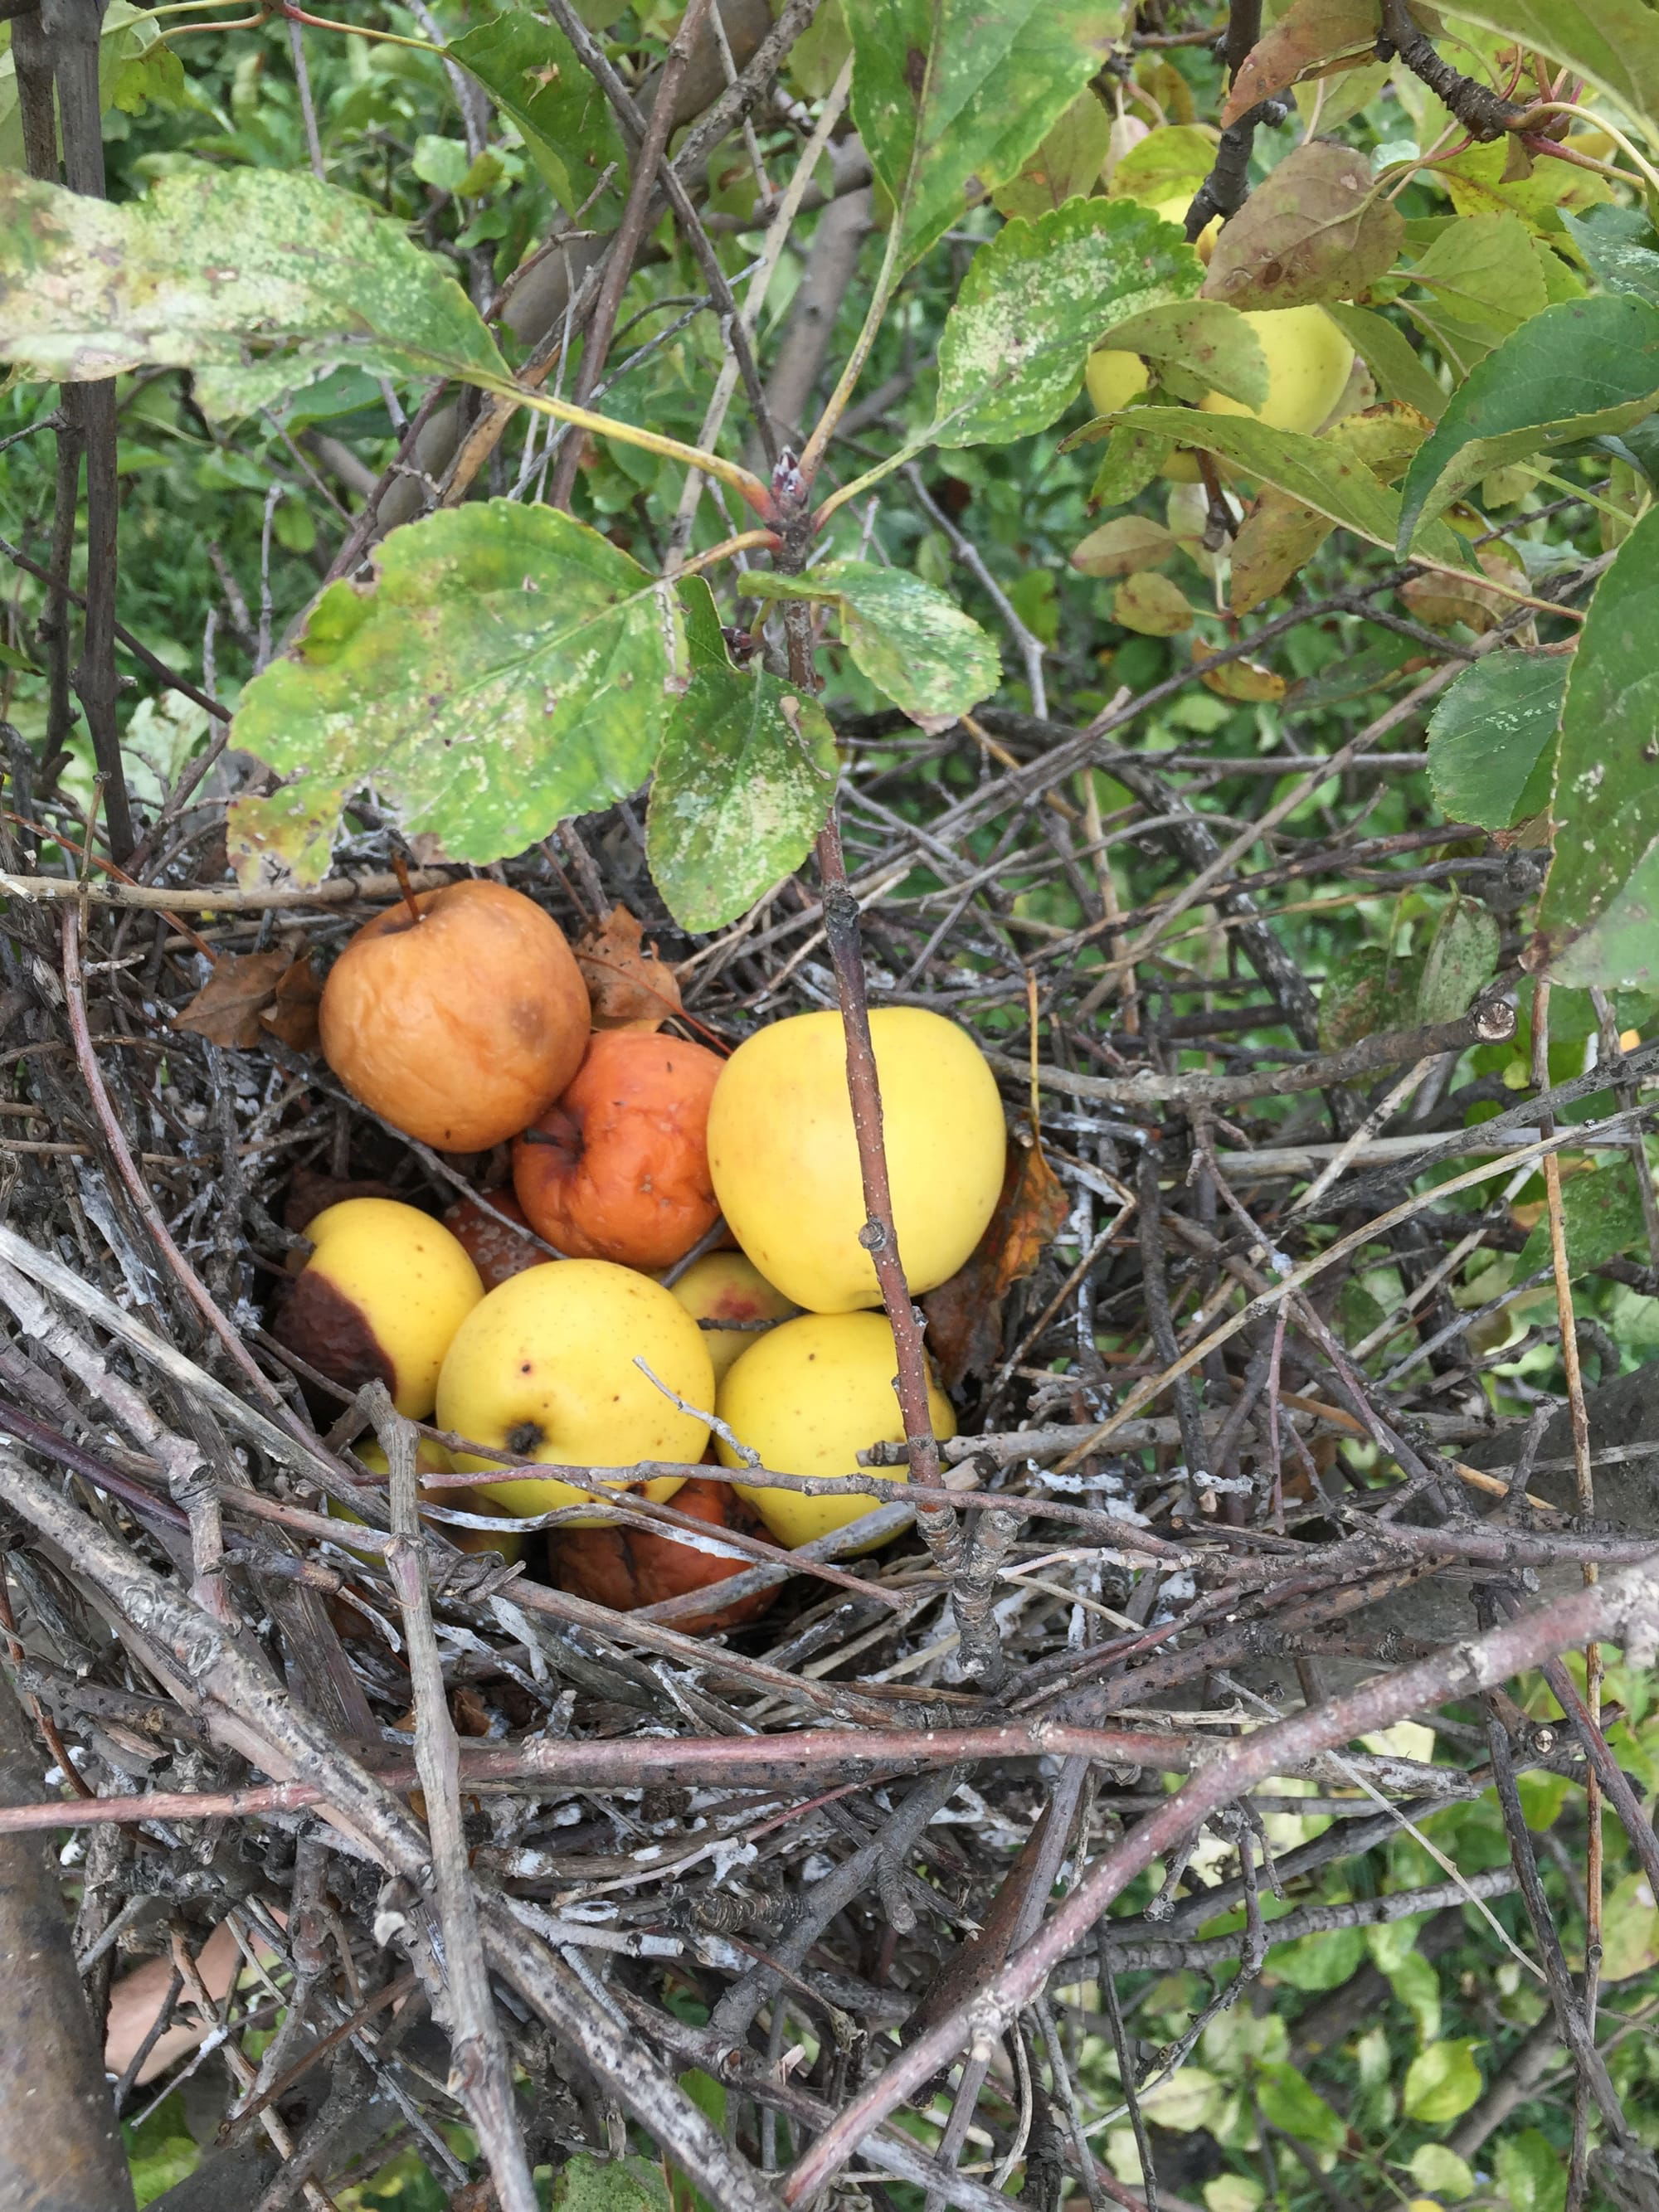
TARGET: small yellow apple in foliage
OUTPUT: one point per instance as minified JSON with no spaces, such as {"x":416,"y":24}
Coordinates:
{"x":1308,"y":363}
{"x":809,"y":1396}
{"x":785,"y":1160}
{"x":380,"y":1299}
{"x":1174,"y":210}
{"x":544,"y":1367}
{"x":729,"y":1291}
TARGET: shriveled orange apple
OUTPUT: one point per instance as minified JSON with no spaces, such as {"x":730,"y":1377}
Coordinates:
{"x":626,"y":1568}
{"x":460,"y":1026}
{"x":618,"y":1169}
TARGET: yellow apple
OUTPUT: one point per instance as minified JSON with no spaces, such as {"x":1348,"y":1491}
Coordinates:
{"x":809,"y":1397}
{"x":1175,"y":210}
{"x":380,"y":1299}
{"x":723,"y":1287}
{"x":1308,"y":364}
{"x":1113,"y":379}
{"x":785,"y":1160}
{"x":544,"y":1366}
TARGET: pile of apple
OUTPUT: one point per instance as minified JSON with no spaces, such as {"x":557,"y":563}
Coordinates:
{"x":462,"y":1019}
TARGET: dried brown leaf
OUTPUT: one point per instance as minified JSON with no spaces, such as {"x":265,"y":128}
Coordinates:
{"x":964,"y":1316}
{"x":226,"y":1011}
{"x":1307,"y":36}
{"x":629,"y":987}
{"x":292,"y":1018}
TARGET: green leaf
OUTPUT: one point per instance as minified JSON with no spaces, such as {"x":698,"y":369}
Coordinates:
{"x":1287,"y":2102}
{"x":1435,"y":2167}
{"x":1368,"y":989}
{"x":1601,"y":1215}
{"x":156,"y":74}
{"x":126,"y":34}
{"x":622,"y":2184}
{"x":1619,"y":246}
{"x":913,"y":642}
{"x":1415,"y":1983}
{"x":257,"y":279}
{"x":1485,"y":270}
{"x":441,"y":163}
{"x":1491,"y":738}
{"x":508,"y":667}
{"x":951,"y":99}
{"x":1388,"y":352}
{"x":1198,"y":346}
{"x":530,"y":69}
{"x":1316,"y":229}
{"x":1630,"y":1929}
{"x":1462,"y":955}
{"x":1531,"y":2171}
{"x":1615,"y":45}
{"x":1128,"y":464}
{"x":744,"y":783}
{"x":1174,"y":159}
{"x":1325,"y":476}
{"x":1620,"y":948}
{"x":1067,"y":162}
{"x":1573,"y":372}
{"x":1321,"y":1961}
{"x":1033,"y":302}
{"x":1607,"y":782}
{"x":1441,"y":2082}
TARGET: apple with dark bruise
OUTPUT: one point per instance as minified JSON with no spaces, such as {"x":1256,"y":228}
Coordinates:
{"x":379,"y":1300}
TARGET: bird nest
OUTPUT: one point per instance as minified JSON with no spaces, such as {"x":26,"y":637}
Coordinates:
{"x":402,"y":1836}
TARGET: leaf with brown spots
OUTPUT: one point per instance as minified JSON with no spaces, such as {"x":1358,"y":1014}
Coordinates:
{"x":964,"y":1316}
{"x":1316,"y":229}
{"x":226,"y":1011}
{"x":1308,"y":36}
{"x":631,"y":988}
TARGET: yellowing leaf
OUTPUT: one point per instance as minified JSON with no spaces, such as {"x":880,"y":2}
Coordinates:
{"x":965,"y":1315}
{"x":1120,"y":547}
{"x":1441,"y":2083}
{"x":1309,"y":34}
{"x":1277,"y":538}
{"x":1238,"y":679}
{"x":1151,"y":604}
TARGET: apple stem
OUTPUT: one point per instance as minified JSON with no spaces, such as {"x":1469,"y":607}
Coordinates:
{"x":400,"y":869}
